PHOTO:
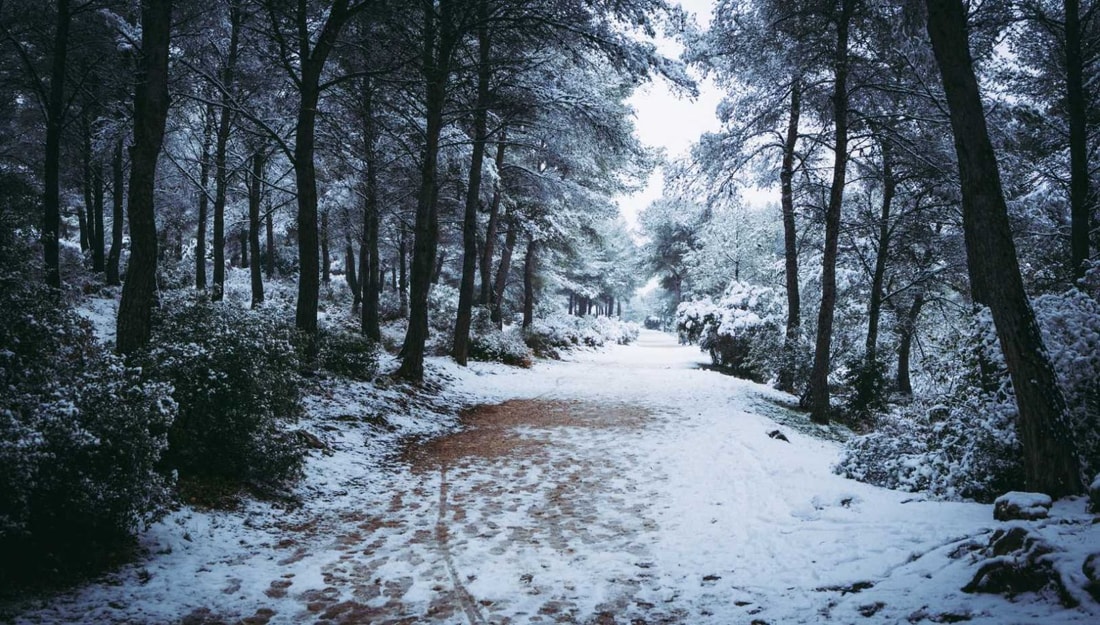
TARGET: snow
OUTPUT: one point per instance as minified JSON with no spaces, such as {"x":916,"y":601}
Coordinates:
{"x":1024,"y":501}
{"x":651,"y":491}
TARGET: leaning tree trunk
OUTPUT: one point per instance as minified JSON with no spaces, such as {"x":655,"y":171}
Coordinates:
{"x":150,"y":114}
{"x":461,"y":345}
{"x":790,"y":242}
{"x":1080,"y":197}
{"x":1051,"y":464}
{"x":254,"y":191}
{"x":55,"y":110}
{"x":488,"y":250}
{"x":114,"y":258}
{"x":819,"y":376}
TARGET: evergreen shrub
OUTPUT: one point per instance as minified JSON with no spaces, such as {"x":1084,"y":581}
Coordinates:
{"x":235,"y":378}
{"x":80,"y":438}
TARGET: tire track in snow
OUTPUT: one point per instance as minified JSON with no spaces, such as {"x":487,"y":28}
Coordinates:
{"x":442,"y":537}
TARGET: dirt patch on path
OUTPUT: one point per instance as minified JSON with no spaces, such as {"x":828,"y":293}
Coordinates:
{"x":496,"y":430}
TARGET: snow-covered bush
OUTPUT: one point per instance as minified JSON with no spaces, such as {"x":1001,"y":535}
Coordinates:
{"x":962,"y":444}
{"x":80,"y":438}
{"x":741,"y":331}
{"x":348,"y":353}
{"x":489,"y":344}
{"x":1070,"y":323}
{"x":559,"y":331}
{"x":235,"y":375}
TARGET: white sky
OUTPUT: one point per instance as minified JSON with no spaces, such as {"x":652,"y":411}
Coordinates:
{"x":665,"y":120}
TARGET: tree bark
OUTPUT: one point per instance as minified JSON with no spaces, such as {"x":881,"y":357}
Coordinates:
{"x":85,"y":217}
{"x":1081,"y":199}
{"x":115,"y":255}
{"x":503,"y":269}
{"x":905,"y":345}
{"x":819,"y":377}
{"x":55,"y":111}
{"x":403,"y":275}
{"x":270,"y":243}
{"x":439,"y":41}
{"x":461,"y":344}
{"x":370,"y":277}
{"x":530,"y":261}
{"x":350,"y":275}
{"x":489,"y":248}
{"x":221,"y":175}
{"x":874,"y":307}
{"x":254,"y":196}
{"x":151,"y":101}
{"x":98,"y":257}
{"x":204,"y":198}
{"x":790,"y":242}
{"x":1051,"y":464}
{"x":326,"y":262}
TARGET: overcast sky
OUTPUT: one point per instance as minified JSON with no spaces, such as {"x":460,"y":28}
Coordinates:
{"x":665,"y":120}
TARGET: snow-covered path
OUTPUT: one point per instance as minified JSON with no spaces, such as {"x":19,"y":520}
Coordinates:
{"x":625,"y":486}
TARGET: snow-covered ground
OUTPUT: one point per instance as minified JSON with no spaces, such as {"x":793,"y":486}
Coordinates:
{"x":623,"y":486}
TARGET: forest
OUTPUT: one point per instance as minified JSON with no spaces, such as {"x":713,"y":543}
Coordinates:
{"x":263,"y":261}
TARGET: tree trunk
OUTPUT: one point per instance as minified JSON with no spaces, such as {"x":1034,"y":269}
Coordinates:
{"x":311,"y":62}
{"x":151,"y":101}
{"x":461,"y":344}
{"x":530,"y":261}
{"x":204,"y":198}
{"x":403,"y":275}
{"x":270,"y":243}
{"x":1080,"y":196}
{"x":905,"y":345}
{"x":487,"y":252}
{"x":874,"y":308}
{"x":221,"y":175}
{"x":503,"y":269}
{"x":438,"y":45}
{"x":370,"y":324}
{"x":98,"y":258}
{"x":819,"y":377}
{"x":115,"y":255}
{"x":55,"y":110}
{"x":350,"y":275}
{"x":790,"y":242}
{"x":326,"y":262}
{"x":85,"y":218}
{"x":254,"y":192}
{"x":1051,"y":464}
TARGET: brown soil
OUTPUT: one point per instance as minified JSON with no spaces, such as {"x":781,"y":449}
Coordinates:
{"x":493,"y":431}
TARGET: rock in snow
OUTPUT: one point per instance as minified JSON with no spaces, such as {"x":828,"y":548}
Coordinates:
{"x":1015,"y":505}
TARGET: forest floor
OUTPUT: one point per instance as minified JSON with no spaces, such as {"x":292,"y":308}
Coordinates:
{"x":622,"y":486}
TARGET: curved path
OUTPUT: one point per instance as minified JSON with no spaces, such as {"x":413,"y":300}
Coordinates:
{"x":626,"y":486}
